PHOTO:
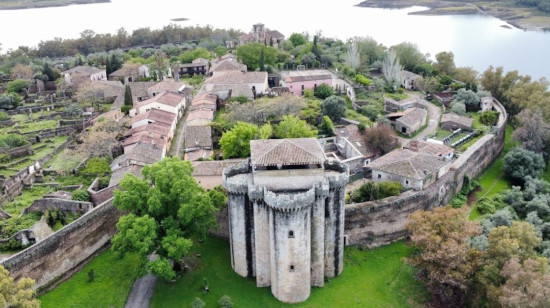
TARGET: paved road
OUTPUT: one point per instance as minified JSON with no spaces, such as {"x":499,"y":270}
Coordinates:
{"x":435,"y":114}
{"x":142,"y":290}
{"x":176,"y":149}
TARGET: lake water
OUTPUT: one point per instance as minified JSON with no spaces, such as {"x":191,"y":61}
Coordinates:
{"x":477,"y":41}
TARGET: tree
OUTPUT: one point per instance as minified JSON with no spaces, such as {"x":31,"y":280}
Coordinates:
{"x":520,"y":163}
{"x":96,"y":166}
{"x":334,"y":107}
{"x":73,"y":111}
{"x":128,"y":100}
{"x":353,"y":59}
{"x":458,"y":108}
{"x":527,"y":284}
{"x":466,"y":75}
{"x":315,"y":49}
{"x":101,"y":138}
{"x":381,"y":138}
{"x":21,"y":71}
{"x":190,"y":55}
{"x":249,"y":54}
{"x":266,"y":131}
{"x":80,"y":195}
{"x":532,"y":131}
{"x":369,"y":49}
{"x":17,"y":86}
{"x":292,"y":127}
{"x":519,"y":241}
{"x":108,"y":66}
{"x":469,"y":98}
{"x":445,"y":260}
{"x":326,"y":127}
{"x":20,"y":294}
{"x":391,"y":68}
{"x":323,"y":91}
{"x":164,"y":210}
{"x":409,"y":56}
{"x":489,"y":117}
{"x":235,"y":143}
{"x":225,"y":302}
{"x":445,"y":63}
{"x":308,"y":59}
{"x":90,"y":92}
{"x":262,"y":61}
{"x":9,"y":100}
{"x":297,"y":39}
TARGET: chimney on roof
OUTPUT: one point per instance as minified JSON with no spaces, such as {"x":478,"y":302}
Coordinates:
{"x":150,"y":134}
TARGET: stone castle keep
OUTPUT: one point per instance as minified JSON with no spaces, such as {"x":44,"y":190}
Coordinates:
{"x":286,"y":216}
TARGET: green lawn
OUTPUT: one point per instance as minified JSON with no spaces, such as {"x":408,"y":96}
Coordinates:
{"x":113,"y":279}
{"x":371,"y":278}
{"x":492,"y":181}
{"x":397,"y":96}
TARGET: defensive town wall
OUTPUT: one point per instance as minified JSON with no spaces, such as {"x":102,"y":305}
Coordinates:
{"x":59,"y":255}
{"x":381,"y":222}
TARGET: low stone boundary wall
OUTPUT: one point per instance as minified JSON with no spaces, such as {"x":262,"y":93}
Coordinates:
{"x":65,"y":206}
{"x":51,"y":260}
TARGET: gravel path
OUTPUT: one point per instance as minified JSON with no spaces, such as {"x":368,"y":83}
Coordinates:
{"x":142,"y":291}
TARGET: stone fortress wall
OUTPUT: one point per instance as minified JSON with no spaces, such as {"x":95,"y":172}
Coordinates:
{"x":381,"y":222}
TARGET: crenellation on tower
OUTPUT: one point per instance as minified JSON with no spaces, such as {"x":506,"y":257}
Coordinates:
{"x":286,"y":206}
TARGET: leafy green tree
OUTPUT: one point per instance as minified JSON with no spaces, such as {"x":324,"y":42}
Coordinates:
{"x":190,"y":55}
{"x":297,"y":39}
{"x":250,"y":53}
{"x":235,"y":143}
{"x":532,"y":131}
{"x":381,"y":138}
{"x":128,"y":100}
{"x":16,"y":86}
{"x":445,"y":63}
{"x":315,"y":49}
{"x":458,"y":108}
{"x":164,"y":210}
{"x":292,"y":127}
{"x":9,"y":100}
{"x":266,"y":131}
{"x":311,"y":112}
{"x":323,"y":91}
{"x":520,"y":164}
{"x":489,"y":118}
{"x":445,"y":260}
{"x":409,"y":56}
{"x":326,"y":127}
{"x":74,"y":110}
{"x":220,"y":50}
{"x":308,"y":59}
{"x":17,"y":294}
{"x":96,"y":166}
{"x":48,"y":71}
{"x":334,"y":107}
{"x":527,"y":284}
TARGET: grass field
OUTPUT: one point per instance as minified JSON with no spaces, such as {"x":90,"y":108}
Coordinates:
{"x":492,"y":181}
{"x":113,"y":279}
{"x":371,"y":278}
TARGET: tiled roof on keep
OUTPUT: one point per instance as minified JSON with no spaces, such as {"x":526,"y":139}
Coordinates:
{"x":286,"y":152}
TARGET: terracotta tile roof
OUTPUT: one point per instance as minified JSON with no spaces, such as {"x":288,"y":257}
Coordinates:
{"x":238,"y":78}
{"x":453,"y":117}
{"x":139,"y":89}
{"x":84,"y":70}
{"x":432,"y":148}
{"x":145,"y":137}
{"x":413,"y":117}
{"x":298,"y":151}
{"x":169,"y":98}
{"x":236,"y":89}
{"x":198,"y":137}
{"x":408,"y":164}
{"x":224,"y":57}
{"x":310,"y":75}
{"x":352,"y":133}
{"x":204,"y":100}
{"x":158,"y":128}
{"x":214,"y":167}
{"x":227,"y":65}
{"x":120,"y":173}
{"x":200,"y":114}
{"x":196,"y":155}
{"x":156,"y":115}
{"x":400,"y":113}
{"x":144,"y":152}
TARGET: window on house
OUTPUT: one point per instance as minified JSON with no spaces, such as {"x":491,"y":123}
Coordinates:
{"x":291,"y":268}
{"x":407,"y":182}
{"x":302,"y":87}
{"x":290,"y":234}
{"x":379,"y":176}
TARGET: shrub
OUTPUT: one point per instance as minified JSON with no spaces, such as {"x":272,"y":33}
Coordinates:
{"x":308,"y":93}
{"x":225,"y":302}
{"x":371,"y":191}
{"x":323,"y":91}
{"x":240,"y":99}
{"x":96,"y":166}
{"x":388,"y":189}
{"x":80,"y":195}
{"x":4,"y":157}
{"x":126,"y":109}
{"x":16,"y":86}
{"x":489,"y":118}
{"x":4,"y":116}
{"x":520,"y":164}
{"x":91,"y":275}
{"x":12,"y":141}
{"x":362,"y":80}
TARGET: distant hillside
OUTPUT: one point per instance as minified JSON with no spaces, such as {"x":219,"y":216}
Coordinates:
{"x":29,"y":4}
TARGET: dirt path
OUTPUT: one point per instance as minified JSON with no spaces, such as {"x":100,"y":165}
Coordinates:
{"x":434,"y":113}
{"x":176,"y":149}
{"x":142,"y":290}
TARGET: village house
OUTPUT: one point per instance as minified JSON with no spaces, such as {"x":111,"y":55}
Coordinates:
{"x":410,"y":80}
{"x":199,"y":117}
{"x":453,"y":121}
{"x":255,"y":81}
{"x":169,"y":85}
{"x":412,"y":121}
{"x":140,"y":89}
{"x":298,"y":81}
{"x":445,"y":98}
{"x":133,"y":162}
{"x":207,"y":101}
{"x":199,"y":66}
{"x":486,"y":103}
{"x":391,"y":105}
{"x":84,"y":72}
{"x":154,"y":116}
{"x":198,"y":138}
{"x":260,"y":35}
{"x":413,"y":169}
{"x":169,"y":101}
{"x":127,"y":74}
{"x":432,"y":148}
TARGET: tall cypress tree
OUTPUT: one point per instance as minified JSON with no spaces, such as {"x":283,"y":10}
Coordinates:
{"x":262,"y":60}
{"x":128,"y":96}
{"x":108,"y":66}
{"x":315,"y":49}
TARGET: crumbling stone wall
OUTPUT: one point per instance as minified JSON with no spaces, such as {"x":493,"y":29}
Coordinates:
{"x":65,"y":206}
{"x":53,"y":259}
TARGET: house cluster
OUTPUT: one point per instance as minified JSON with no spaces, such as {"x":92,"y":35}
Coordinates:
{"x":260,"y":35}
{"x":406,"y":116}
